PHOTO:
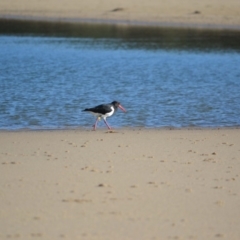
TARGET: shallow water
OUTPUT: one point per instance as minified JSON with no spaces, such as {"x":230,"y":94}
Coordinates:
{"x":46,"y":81}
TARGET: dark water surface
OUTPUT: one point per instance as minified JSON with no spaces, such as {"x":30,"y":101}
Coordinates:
{"x":163,"y":77}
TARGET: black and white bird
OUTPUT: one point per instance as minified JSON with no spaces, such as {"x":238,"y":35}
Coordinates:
{"x":103,"y":111}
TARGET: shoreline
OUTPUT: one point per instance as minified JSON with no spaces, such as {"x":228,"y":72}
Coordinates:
{"x":118,"y":129}
{"x":123,"y":23}
{"x":214,"y":14}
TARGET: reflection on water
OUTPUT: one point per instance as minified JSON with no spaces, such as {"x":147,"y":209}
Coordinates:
{"x":135,"y":36}
{"x":173,"y":80}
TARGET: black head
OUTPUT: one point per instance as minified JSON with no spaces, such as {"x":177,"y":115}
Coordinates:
{"x":117,"y":105}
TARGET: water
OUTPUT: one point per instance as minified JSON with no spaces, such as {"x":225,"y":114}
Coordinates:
{"x":46,"y":82}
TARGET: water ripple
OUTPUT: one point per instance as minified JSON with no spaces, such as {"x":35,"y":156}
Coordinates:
{"x":46,"y":82}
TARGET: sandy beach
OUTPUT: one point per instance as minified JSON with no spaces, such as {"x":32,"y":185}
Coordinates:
{"x":125,"y":184}
{"x":214,"y":14}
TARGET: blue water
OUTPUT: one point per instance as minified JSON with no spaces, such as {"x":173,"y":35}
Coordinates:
{"x":45,"y":82}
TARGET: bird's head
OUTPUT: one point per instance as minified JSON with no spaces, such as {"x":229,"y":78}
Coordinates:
{"x":117,"y":104}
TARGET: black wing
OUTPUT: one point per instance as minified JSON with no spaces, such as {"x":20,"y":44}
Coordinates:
{"x":101,"y":109}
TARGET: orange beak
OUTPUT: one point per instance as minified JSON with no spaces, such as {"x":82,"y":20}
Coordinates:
{"x":122,"y":108}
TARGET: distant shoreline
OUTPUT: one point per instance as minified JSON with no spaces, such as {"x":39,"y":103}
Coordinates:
{"x":205,"y":14}
{"x":122,"y":22}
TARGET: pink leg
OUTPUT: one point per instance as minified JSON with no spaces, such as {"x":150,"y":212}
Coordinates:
{"x":95,"y":125}
{"x":107,"y":124}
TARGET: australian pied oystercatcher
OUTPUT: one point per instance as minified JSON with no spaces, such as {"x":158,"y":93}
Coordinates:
{"x":103,"y":111}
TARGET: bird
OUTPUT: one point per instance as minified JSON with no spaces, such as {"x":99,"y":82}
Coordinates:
{"x":103,"y":111}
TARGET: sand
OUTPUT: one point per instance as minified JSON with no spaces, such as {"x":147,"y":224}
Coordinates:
{"x":185,"y":13}
{"x":126,"y":184}
{"x":130,"y":183}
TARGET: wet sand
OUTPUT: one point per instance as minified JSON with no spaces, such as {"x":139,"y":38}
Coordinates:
{"x":125,"y":184}
{"x":216,"y":14}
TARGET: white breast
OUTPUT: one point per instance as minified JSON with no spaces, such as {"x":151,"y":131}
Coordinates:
{"x":110,"y":113}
